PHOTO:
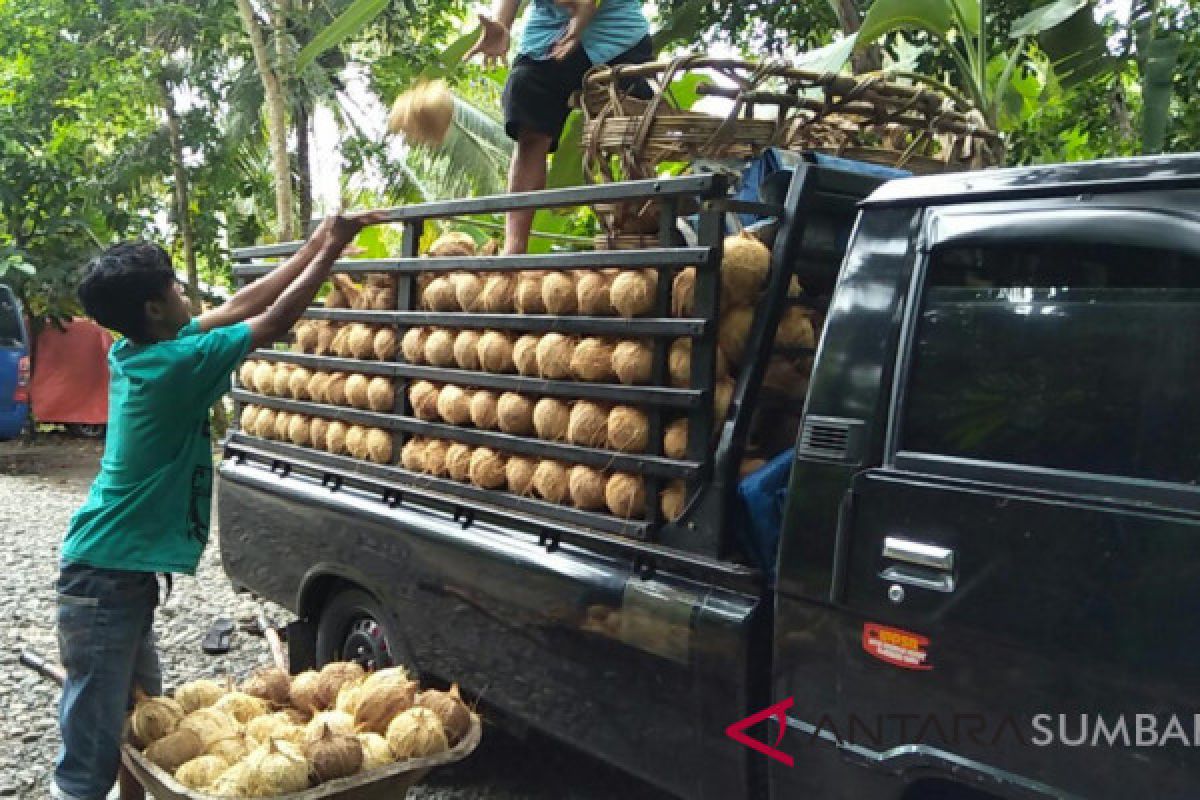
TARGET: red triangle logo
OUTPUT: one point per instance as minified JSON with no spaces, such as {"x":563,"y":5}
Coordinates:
{"x":736,"y":731}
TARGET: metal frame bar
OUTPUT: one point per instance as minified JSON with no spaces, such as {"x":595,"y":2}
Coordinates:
{"x":533,"y":323}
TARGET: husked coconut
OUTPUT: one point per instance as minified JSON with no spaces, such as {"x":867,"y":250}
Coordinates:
{"x":625,"y":496}
{"x":671,"y":500}
{"x":454,"y":405}
{"x":633,"y":292}
{"x":551,"y":481}
{"x":518,"y":473}
{"x":458,"y":461}
{"x":439,"y":348}
{"x":527,"y":297}
{"x":592,"y":294}
{"x":495,"y":352}
{"x":795,"y":329}
{"x":632,"y":362}
{"x":551,"y":416}
{"x":524,"y":355}
{"x":554,"y":353}
{"x":487,"y":469}
{"x":423,"y":398}
{"x":744,"y":267}
{"x":497,"y":295}
{"x":628,"y":430}
{"x":435,"y":458}
{"x":514,"y":414}
{"x":587,"y":487}
{"x":588,"y":424}
{"x":467,"y":290}
{"x":591,"y":360}
{"x":454,"y":243}
{"x":381,"y":395}
{"x":384,"y":345}
{"x":734,"y":331}
{"x":412,"y":345}
{"x":558,"y":293}
{"x":440,"y":295}
{"x":484,"y":409}
{"x":466,"y":350}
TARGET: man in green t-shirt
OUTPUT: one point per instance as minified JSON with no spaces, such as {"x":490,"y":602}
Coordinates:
{"x":148,"y":509}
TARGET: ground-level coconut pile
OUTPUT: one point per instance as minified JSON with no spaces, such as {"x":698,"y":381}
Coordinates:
{"x":276,"y":734}
{"x":551,"y":356}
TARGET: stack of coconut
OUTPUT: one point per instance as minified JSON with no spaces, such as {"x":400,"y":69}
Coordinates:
{"x":553,"y":356}
{"x":276,"y":734}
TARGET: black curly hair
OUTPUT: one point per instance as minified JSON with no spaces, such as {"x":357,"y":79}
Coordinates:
{"x":117,"y":283}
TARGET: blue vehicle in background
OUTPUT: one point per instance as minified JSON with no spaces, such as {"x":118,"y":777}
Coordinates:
{"x":14,"y":366}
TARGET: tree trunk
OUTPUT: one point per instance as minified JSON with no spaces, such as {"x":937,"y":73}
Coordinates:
{"x":850,"y":19}
{"x":304,"y":163}
{"x":183,"y":216}
{"x":276,"y":122}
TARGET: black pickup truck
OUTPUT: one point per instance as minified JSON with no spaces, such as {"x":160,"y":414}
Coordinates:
{"x":986,"y":581}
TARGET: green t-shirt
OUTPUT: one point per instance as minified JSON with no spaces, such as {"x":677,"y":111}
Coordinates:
{"x":148,"y":509}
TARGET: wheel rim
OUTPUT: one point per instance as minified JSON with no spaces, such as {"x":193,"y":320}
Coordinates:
{"x":366,"y":644}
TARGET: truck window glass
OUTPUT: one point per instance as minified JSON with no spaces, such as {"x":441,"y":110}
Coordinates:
{"x":10,"y":323}
{"x":1065,"y":357}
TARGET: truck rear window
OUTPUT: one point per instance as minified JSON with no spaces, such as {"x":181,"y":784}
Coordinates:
{"x":1072,"y":358}
{"x":10,"y":320}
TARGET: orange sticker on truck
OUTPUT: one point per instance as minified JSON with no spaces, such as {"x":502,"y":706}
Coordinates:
{"x":896,"y":647}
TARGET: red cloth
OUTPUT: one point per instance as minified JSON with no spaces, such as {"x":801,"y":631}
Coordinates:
{"x":70,"y":374}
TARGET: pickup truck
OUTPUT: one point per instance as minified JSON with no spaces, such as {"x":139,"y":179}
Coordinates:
{"x":987,"y":576}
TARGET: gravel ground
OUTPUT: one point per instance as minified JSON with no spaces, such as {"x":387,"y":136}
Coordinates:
{"x":40,"y":487}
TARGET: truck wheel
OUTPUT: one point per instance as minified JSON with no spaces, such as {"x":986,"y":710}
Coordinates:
{"x":353,"y":627}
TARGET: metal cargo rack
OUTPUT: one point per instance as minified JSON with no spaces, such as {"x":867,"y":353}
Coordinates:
{"x":820,"y":202}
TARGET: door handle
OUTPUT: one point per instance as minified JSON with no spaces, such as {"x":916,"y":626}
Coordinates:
{"x":925,"y":566}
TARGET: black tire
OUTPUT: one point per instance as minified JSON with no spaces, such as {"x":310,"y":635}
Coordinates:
{"x":353,"y":626}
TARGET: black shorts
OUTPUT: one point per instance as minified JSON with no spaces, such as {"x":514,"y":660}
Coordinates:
{"x":537,"y":93}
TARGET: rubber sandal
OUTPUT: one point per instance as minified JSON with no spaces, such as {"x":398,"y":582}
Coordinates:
{"x":219,"y":636}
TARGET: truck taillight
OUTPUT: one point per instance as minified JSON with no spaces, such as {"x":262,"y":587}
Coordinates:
{"x":21,"y":394}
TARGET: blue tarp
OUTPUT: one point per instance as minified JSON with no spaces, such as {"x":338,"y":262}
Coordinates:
{"x":762,"y":495}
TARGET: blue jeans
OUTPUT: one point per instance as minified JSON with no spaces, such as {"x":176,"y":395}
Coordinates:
{"x":106,"y":644}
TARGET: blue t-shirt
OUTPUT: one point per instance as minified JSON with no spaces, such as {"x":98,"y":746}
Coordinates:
{"x":148,"y":508}
{"x":617,"y":26}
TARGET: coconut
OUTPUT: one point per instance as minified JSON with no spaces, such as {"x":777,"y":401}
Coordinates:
{"x":487,"y":469}
{"x":588,"y":424}
{"x":381,"y":703}
{"x":195,"y":695}
{"x":451,"y":710}
{"x":514,"y":414}
{"x":211,"y":725}
{"x":527,"y":297}
{"x":782,"y":377}
{"x":281,"y":380}
{"x":382,"y":299}
{"x":423,"y":114}
{"x":458,"y":461}
{"x":495,"y":351}
{"x":230,"y":783}
{"x":246,"y":375}
{"x":484,"y":409}
{"x":679,"y":363}
{"x":334,"y":756}
{"x":379,"y":446}
{"x":318,"y":387}
{"x":282,"y":420}
{"x":440,"y":296}
{"x":435,"y":459}
{"x":550,"y":481}
{"x":518,"y":474}
{"x":201,"y":771}
{"x":357,"y":390}
{"x":675,"y":439}
{"x":335,"y":390}
{"x":558,"y":293}
{"x":591,"y":360}
{"x":633,"y":292}
{"x":734,"y":331}
{"x":389,"y":674}
{"x":264,"y":424}
{"x":155,"y":717}
{"x":592,"y":294}
{"x":722,"y":399}
{"x":241,"y":706}
{"x":298,"y":379}
{"x":795,"y":329}
{"x":454,"y":405}
{"x":497,"y":296}
{"x":381,"y":394}
{"x":333,"y":676}
{"x":525,"y":355}
{"x":280,"y":725}
{"x":416,"y":733}
{"x":439,"y":348}
{"x":551,"y":417}
{"x":384,"y":344}
{"x":454,"y":243}
{"x":744,"y":267}
{"x":628,"y":430}
{"x":336,"y":721}
{"x":299,"y":430}
{"x":275,"y":768}
{"x":248,"y":419}
{"x":467,"y":290}
{"x":412,"y":455}
{"x":554,"y":352}
{"x":264,"y":378}
{"x":466,"y":353}
{"x":232,"y":748}
{"x":172,"y":751}
{"x":375,"y":751}
{"x":683,"y":293}
{"x":340,"y":345}
{"x":632,"y":362}
{"x":318,"y":433}
{"x":326,"y":331}
{"x":335,"y":443}
{"x":360,"y":341}
{"x":423,"y":398}
{"x":587,"y":487}
{"x":625,"y":495}
{"x":356,"y":441}
{"x":412,"y":345}
{"x":671,"y":500}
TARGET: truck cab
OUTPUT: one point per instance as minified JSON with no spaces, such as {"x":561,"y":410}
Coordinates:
{"x":983,"y":580}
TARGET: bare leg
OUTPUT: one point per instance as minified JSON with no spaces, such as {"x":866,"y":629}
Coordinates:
{"x":526,"y":174}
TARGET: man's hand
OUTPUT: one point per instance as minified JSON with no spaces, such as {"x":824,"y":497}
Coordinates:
{"x":493,"y":43}
{"x":582,"y":12}
{"x":340,"y":229}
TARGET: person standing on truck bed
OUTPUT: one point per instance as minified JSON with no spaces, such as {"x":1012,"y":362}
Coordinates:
{"x":148,"y":509}
{"x":562,"y":40}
